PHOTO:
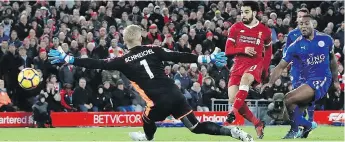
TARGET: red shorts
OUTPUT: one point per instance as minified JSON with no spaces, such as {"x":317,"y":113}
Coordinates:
{"x":238,"y":71}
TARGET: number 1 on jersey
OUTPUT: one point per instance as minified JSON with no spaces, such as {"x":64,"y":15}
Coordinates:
{"x":147,"y":68}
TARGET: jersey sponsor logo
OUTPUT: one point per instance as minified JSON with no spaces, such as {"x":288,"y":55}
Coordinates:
{"x":317,"y":59}
{"x":250,"y":40}
{"x":321,"y":43}
{"x":303,"y":47}
{"x":139,"y":55}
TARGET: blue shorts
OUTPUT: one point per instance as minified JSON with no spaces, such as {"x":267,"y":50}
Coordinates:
{"x":320,"y":87}
{"x":296,"y":78}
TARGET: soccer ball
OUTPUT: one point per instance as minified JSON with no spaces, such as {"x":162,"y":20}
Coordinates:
{"x":29,"y":78}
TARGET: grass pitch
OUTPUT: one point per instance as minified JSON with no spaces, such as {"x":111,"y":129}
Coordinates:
{"x":272,"y":133}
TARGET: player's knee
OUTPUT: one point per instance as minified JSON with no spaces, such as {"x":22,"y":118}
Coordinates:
{"x":232,"y":90}
{"x":289,"y":99}
{"x":146,"y":119}
{"x":247,"y":79}
{"x":197,"y":129}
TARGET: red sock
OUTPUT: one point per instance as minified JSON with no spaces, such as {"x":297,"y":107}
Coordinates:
{"x":247,"y":114}
{"x":240,"y":97}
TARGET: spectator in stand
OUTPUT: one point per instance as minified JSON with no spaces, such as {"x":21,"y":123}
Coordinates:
{"x":41,"y":112}
{"x":167,"y":70}
{"x":198,"y":50}
{"x":208,"y":89}
{"x":52,"y":79}
{"x":10,"y":66}
{"x":100,"y":101}
{"x":208,"y":45}
{"x":52,"y":97}
{"x":169,"y":43}
{"x":67,"y":73}
{"x":5,"y":101}
{"x":222,"y":90}
{"x":193,"y":72}
{"x":340,"y":34}
{"x":279,"y":44}
{"x":41,"y":62}
{"x":22,"y":27}
{"x":218,"y":73}
{"x":183,"y":77}
{"x":122,"y":98}
{"x":66,"y":98}
{"x":153,"y":34}
{"x":81,"y":97}
{"x":339,"y":49}
{"x":183,"y":91}
{"x":87,"y":74}
{"x":196,"y":98}
{"x":3,"y":36}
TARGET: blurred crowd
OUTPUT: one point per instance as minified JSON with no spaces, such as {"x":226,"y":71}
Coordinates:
{"x":93,"y":29}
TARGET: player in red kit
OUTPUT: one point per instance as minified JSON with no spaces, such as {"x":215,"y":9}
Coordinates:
{"x":250,"y":42}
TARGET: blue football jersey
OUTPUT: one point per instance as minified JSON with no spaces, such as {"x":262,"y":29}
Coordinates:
{"x":295,"y":73}
{"x":314,"y":55}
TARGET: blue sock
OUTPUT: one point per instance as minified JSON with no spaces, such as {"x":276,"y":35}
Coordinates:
{"x":311,"y":112}
{"x":300,"y":120}
{"x":292,"y":116}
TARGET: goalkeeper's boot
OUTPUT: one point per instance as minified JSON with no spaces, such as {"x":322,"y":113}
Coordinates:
{"x":260,"y":129}
{"x":291,"y":135}
{"x":306,"y":131}
{"x":138,"y":136}
{"x":239,"y":134}
{"x":231,"y":118}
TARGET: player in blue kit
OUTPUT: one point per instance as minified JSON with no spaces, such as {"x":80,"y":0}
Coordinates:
{"x":295,"y":74}
{"x":314,"y":51}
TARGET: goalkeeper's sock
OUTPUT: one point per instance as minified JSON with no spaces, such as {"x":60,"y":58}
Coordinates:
{"x":247,"y":114}
{"x":240,"y":97}
{"x":149,"y":128}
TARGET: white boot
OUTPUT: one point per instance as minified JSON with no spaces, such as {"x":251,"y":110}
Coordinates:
{"x":137,"y":136}
{"x":238,"y":133}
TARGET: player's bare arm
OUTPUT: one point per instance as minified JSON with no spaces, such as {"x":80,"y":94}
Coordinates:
{"x":277,"y":71}
{"x":334,"y":69}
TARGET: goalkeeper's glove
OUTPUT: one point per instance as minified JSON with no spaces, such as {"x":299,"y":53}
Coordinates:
{"x":59,"y":56}
{"x":218,"y":58}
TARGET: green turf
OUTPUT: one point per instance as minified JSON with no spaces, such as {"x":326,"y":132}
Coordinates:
{"x":273,"y":133}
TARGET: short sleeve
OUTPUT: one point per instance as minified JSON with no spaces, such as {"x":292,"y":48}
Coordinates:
{"x":290,"y":52}
{"x":232,"y":33}
{"x":268,"y":39}
{"x":331,"y":45}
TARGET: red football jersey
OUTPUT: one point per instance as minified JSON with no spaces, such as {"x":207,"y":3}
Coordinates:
{"x":241,"y":36}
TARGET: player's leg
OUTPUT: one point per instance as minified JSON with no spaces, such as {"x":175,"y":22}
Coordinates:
{"x":232,"y":91}
{"x":212,"y":128}
{"x":149,"y":117}
{"x":244,"y":110}
{"x":310,"y":111}
{"x":239,"y":106}
{"x":182,"y":111}
{"x":301,"y":95}
{"x":149,"y":127}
